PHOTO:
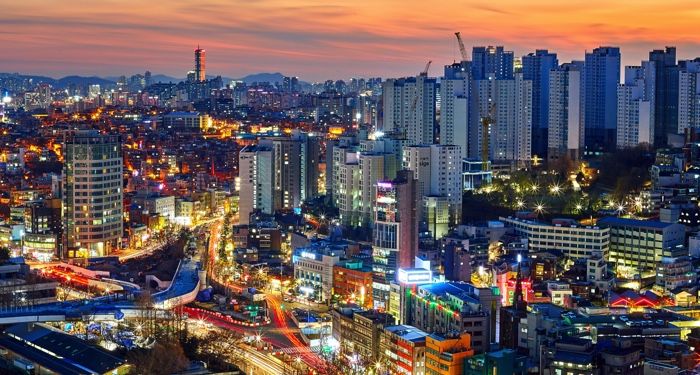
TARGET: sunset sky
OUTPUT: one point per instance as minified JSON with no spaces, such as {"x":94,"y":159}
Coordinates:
{"x":323,"y":39}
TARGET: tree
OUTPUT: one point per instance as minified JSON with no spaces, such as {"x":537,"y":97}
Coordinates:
{"x":4,"y":254}
{"x":164,"y":358}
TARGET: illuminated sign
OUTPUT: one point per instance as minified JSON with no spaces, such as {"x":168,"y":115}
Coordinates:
{"x":308,"y":255}
{"x":414,"y":276}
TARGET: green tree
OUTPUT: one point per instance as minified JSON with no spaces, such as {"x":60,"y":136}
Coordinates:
{"x":4,"y":254}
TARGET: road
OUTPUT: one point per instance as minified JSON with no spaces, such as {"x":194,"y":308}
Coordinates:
{"x":281,"y":332}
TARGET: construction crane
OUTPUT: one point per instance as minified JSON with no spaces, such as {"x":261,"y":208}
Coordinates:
{"x":486,"y":123}
{"x":462,"y":50}
{"x":424,"y":73}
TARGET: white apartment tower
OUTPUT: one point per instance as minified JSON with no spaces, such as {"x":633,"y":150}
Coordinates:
{"x":566,"y":127}
{"x":455,"y":106}
{"x":256,"y":175}
{"x":409,"y":108}
{"x":635,"y":106}
{"x":509,"y":102}
{"x":689,"y":95}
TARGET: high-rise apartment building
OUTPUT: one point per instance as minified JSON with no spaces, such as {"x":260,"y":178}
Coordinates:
{"x":635,"y":106}
{"x":256,"y":176}
{"x":536,"y":68}
{"x":409,"y":108}
{"x":438,"y":173}
{"x":601,"y":78}
{"x":689,"y":95}
{"x":665,"y":94}
{"x":456,"y":106}
{"x":278,"y":174}
{"x":492,"y":61}
{"x":509,"y":103}
{"x":200,"y":72}
{"x":566,"y":129}
{"x":93,"y":195}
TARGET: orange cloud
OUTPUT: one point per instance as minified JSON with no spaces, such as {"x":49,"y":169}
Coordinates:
{"x":324,"y":39}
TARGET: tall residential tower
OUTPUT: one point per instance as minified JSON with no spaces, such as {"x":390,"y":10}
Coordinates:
{"x":93,"y":195}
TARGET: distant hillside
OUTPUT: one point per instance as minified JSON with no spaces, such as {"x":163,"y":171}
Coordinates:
{"x":64,"y":82}
{"x":263,"y":77}
{"x":82,"y":81}
{"x":165,"y":79}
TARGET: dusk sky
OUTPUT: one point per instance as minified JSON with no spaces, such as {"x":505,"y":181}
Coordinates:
{"x":323,"y":39}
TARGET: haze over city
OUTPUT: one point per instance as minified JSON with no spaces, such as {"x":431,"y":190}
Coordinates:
{"x":319,"y":40}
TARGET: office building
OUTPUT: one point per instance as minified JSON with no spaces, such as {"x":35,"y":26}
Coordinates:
{"x":566,"y":235}
{"x":456,"y":106}
{"x":314,"y":267}
{"x":536,"y":68}
{"x":200,"y":71}
{"x":402,"y":350}
{"x":93,"y":195}
{"x":409,"y":108}
{"x":493,"y":61}
{"x":601,"y":78}
{"x":635,"y":106}
{"x":565,"y":119}
{"x":640,"y":245}
{"x":689,"y":95}
{"x":665,"y":94}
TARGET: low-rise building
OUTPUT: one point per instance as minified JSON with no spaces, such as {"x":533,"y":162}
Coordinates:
{"x":448,"y":307}
{"x":445,"y":355}
{"x":31,"y":346}
{"x":402,"y":350}
{"x":641,"y":244}
{"x":574,"y":240}
{"x":313,"y":268}
{"x":352,"y":282}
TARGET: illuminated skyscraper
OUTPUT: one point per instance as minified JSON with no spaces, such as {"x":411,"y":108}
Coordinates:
{"x":200,"y":71}
{"x":93,"y":196}
{"x":395,"y":242}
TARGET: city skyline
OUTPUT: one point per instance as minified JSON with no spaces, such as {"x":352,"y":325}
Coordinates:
{"x":318,"y":42}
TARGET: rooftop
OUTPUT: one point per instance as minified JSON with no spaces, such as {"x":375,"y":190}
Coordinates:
{"x":408,"y":333}
{"x":619,"y":221}
{"x":58,"y":351}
